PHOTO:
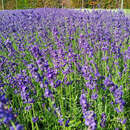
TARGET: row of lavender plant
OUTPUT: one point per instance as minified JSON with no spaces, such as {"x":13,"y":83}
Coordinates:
{"x":64,"y":69}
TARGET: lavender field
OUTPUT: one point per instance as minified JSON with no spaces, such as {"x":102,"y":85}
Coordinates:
{"x":63,"y":69}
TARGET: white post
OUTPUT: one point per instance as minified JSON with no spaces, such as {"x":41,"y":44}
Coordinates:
{"x":121,"y":4}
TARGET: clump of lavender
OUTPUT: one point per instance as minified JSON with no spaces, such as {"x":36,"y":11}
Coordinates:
{"x":88,"y":115}
{"x":90,"y":120}
{"x":24,"y":86}
{"x":10,"y":48}
{"x":118,"y":93}
{"x":83,"y":102}
{"x":34,"y":72}
{"x":7,"y":116}
{"x":58,"y":113}
{"x":85,"y":47}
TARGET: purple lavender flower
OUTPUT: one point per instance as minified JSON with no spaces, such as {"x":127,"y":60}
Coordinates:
{"x":18,"y":127}
{"x":48,"y":93}
{"x":61,"y":121}
{"x":58,"y":114}
{"x":117,"y":109}
{"x":83,"y":102}
{"x":124,"y":121}
{"x":58,"y":82}
{"x":67,"y":123}
{"x":94,"y":96}
{"x":36,"y":52}
{"x":103,"y":120}
{"x":43,"y":105}
{"x":35,"y":119}
{"x":108,"y":82}
{"x":28,"y":108}
{"x":118,"y":95}
{"x":113,"y":88}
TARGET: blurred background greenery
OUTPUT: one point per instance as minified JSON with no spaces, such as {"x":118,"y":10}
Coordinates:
{"x":25,"y":4}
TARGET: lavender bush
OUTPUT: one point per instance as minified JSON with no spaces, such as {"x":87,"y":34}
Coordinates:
{"x":64,"y":69}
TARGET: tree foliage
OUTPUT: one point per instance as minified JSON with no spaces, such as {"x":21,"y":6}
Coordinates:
{"x":22,"y":4}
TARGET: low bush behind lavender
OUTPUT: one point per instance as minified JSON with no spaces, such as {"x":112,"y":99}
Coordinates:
{"x":64,"y":69}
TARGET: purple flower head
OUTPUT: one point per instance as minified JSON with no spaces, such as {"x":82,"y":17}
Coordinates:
{"x":118,"y":93}
{"x":103,"y":120}
{"x":46,"y":83}
{"x":89,"y":85}
{"x":28,"y":108}
{"x":12,"y":128}
{"x":36,"y":52}
{"x":3,"y":99}
{"x":108,"y":82}
{"x":6,"y":115}
{"x":94,"y":96}
{"x":41,"y":63}
{"x":67,"y":123}
{"x":51,"y":74}
{"x":58,"y":82}
{"x":10,"y":109}
{"x":113,"y":88}
{"x":41,"y":85}
{"x":35,"y":69}
{"x":90,"y":120}
{"x":48,"y":93}
{"x":35,"y":119}
{"x":83,"y":102}
{"x":111,"y":103}
{"x":117,"y":109}
{"x":97,"y":74}
{"x":69,"y":83}
{"x":46,"y":65}
{"x":118,"y":96}
{"x":121,"y":107}
{"x":124,"y":121}
{"x":19,"y":127}
{"x":43,"y":105}
{"x":61,"y":121}
{"x":30,"y":66}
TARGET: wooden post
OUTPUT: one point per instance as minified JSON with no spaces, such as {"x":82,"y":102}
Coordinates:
{"x":2,"y":4}
{"x":16,"y":4}
{"x":82,"y":4}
